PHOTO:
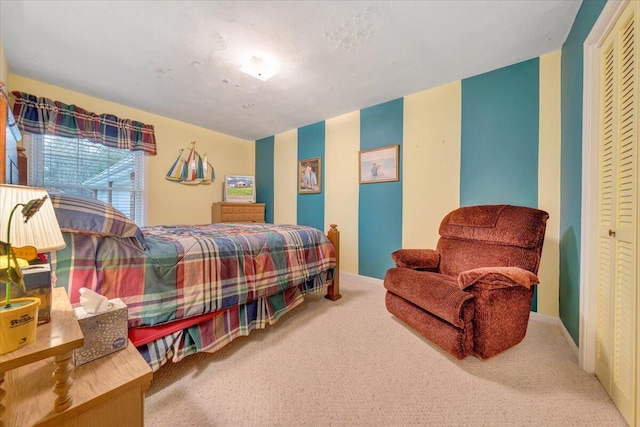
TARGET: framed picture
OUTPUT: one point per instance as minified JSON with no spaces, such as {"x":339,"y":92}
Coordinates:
{"x":310,"y":176}
{"x":379,"y":164}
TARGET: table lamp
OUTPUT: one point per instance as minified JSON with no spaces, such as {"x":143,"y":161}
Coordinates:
{"x":36,"y":226}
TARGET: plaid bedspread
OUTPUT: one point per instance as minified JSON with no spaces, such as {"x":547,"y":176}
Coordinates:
{"x":190,"y":270}
{"x":213,"y":334}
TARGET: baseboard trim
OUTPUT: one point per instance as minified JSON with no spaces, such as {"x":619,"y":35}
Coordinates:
{"x":563,"y":330}
{"x":546,"y":318}
{"x":567,"y":337}
{"x":372,"y":280}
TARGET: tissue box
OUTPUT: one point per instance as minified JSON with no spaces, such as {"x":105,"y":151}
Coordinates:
{"x":37,"y":280}
{"x":104,"y":333}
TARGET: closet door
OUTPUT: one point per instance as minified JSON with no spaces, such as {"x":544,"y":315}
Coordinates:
{"x":616,"y":350}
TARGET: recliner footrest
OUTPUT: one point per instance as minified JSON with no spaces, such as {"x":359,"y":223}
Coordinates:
{"x":433,"y":292}
{"x":456,"y":341}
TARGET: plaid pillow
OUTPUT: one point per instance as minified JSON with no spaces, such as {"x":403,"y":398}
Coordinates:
{"x":77,"y":214}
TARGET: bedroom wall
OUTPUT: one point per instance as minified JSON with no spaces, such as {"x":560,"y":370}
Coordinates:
{"x":571,"y":179}
{"x":310,"y":209}
{"x":264,"y":173}
{"x":500,"y":135}
{"x":437,"y":134}
{"x":431,"y":174}
{"x":499,"y":152}
{"x":167,"y":202}
{"x":380,"y":204}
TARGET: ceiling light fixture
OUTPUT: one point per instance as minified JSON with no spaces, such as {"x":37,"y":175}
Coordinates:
{"x":259,"y":69}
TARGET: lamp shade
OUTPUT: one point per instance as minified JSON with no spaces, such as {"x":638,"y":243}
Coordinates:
{"x":41,"y":230}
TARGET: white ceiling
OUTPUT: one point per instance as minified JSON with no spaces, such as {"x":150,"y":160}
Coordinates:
{"x":180,"y":59}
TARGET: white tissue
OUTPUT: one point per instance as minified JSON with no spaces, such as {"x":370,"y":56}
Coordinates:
{"x":92,"y":302}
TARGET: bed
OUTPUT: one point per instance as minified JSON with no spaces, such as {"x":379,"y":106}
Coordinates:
{"x":190,"y":288}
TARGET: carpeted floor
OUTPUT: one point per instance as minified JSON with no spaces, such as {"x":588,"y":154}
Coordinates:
{"x":350,"y":363}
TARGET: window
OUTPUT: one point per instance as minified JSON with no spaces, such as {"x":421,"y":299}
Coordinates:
{"x":81,"y":167}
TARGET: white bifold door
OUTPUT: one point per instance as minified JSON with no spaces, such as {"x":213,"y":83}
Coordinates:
{"x":617,"y":321}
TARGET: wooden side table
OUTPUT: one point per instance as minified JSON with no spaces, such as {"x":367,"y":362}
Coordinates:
{"x":55,"y":339}
{"x":108,"y":391}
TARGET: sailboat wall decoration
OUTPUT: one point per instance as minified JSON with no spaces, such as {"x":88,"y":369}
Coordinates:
{"x":193,"y":170}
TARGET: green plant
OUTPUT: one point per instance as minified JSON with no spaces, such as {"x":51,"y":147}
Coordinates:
{"x":12,"y":272}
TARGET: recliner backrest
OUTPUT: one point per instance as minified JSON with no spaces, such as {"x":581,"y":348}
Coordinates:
{"x":491,"y":236}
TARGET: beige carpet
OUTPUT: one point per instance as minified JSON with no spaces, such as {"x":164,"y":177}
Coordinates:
{"x":350,"y":363}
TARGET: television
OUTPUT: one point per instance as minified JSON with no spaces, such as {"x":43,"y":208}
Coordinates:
{"x":239,"y":188}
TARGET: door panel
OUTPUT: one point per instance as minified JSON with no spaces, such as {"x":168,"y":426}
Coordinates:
{"x":616,"y":349}
{"x":606,"y":213}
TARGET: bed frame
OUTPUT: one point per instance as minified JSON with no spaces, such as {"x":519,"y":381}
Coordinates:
{"x":333,"y":290}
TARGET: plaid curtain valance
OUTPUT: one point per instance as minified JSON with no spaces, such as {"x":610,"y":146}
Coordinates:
{"x":43,"y":116}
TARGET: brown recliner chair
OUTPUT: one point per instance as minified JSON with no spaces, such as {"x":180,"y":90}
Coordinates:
{"x":473,"y":293}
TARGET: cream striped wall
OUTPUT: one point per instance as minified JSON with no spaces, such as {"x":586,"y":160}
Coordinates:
{"x":285,"y":150}
{"x":341,"y":184}
{"x":549,"y":181}
{"x":431,"y":175}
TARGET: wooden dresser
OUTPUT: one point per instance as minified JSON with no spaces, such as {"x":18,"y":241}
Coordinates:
{"x":237,"y":212}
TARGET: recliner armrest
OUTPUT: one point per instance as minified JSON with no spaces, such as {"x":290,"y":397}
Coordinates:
{"x":499,"y":277}
{"x":416,"y":259}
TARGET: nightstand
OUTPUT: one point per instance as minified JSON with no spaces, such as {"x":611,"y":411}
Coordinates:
{"x":105,"y":392}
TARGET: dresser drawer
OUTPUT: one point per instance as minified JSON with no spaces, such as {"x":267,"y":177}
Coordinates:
{"x":237,"y":212}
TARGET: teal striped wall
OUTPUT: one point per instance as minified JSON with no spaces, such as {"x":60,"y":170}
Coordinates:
{"x":380,"y":204}
{"x":571,"y":166}
{"x":500,"y":133}
{"x":311,"y":140}
{"x":264,"y":175}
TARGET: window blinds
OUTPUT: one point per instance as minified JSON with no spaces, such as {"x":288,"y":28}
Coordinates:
{"x":78,"y":166}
